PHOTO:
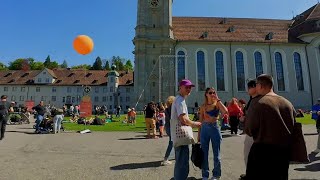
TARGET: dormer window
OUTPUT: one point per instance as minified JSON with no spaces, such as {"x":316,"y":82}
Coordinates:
{"x":39,"y":80}
{"x":47,"y":80}
{"x":44,"y":72}
{"x":112,"y":79}
{"x":25,"y":74}
{"x":71,"y":74}
{"x":7,"y":74}
{"x":89,"y":74}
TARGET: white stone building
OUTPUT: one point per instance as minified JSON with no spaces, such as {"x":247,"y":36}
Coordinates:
{"x":223,"y":53}
{"x":66,"y":86}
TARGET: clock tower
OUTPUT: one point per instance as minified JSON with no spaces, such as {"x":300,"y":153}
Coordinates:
{"x":153,"y":39}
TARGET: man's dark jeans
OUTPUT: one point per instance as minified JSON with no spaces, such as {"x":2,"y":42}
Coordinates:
{"x":3,"y":124}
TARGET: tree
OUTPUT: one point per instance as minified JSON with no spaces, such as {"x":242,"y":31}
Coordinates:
{"x":21,"y":63}
{"x":97,"y":65}
{"x":118,"y":62}
{"x":81,"y":66}
{"x":128,"y":65}
{"x":47,"y":62}
{"x":37,"y":66}
{"x":3,"y":67}
{"x":64,"y":64}
{"x":107,"y":66}
{"x":50,"y":64}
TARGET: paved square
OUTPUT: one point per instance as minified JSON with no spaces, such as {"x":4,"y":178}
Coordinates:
{"x":116,"y":155}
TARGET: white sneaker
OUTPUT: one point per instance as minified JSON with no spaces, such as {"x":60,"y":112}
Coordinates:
{"x":166,"y":162}
{"x":317,"y":151}
{"x":215,"y":178}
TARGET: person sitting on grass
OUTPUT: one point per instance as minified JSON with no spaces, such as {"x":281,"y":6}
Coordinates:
{"x":97,"y":121}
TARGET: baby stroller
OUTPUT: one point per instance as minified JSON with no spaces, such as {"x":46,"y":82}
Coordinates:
{"x":46,"y":126}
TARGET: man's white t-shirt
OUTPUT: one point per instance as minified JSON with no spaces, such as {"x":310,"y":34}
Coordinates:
{"x":179,"y":107}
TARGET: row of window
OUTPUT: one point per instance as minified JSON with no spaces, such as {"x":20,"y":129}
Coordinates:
{"x":69,"y":89}
{"x":70,"y":99}
{"x":240,"y":71}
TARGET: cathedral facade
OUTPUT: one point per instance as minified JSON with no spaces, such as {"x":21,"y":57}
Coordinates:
{"x":224,"y":53}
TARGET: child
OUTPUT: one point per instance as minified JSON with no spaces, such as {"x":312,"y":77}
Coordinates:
{"x":161,"y":119}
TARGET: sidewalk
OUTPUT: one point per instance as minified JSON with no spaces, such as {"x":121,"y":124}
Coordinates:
{"x":116,"y":155}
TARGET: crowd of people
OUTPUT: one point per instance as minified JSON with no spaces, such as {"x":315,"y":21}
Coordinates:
{"x":267,"y":120}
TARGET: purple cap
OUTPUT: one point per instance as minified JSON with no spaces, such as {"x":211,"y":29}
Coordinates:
{"x":186,"y":82}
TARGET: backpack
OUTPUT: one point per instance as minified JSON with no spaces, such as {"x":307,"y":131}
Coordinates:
{"x":197,"y":155}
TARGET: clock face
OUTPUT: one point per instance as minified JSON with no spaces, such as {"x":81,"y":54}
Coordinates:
{"x":154,"y":3}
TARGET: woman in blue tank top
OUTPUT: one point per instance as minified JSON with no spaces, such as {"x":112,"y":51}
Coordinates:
{"x":209,"y":115}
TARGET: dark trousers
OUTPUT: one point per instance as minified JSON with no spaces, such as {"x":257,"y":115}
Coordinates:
{"x":3,"y":124}
{"x":234,"y":123}
{"x":267,"y":162}
{"x":318,"y":123}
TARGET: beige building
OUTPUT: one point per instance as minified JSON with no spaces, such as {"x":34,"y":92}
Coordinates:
{"x":66,"y":86}
{"x":224,"y":53}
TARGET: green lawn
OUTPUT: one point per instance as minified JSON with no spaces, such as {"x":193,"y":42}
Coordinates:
{"x":140,"y":125}
{"x":111,"y":126}
{"x":306,"y":120}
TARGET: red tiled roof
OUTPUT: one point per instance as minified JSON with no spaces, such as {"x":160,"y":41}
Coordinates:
{"x":246,"y":30}
{"x":64,"y":77}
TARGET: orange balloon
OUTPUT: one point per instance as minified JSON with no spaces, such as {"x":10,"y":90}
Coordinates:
{"x":83,"y":44}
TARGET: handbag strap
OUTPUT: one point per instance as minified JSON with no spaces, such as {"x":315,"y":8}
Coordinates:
{"x":286,"y":126}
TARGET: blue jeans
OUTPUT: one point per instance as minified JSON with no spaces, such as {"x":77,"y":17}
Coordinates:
{"x":57,"y":123}
{"x":38,"y":121}
{"x":170,"y":144}
{"x":210,"y":131}
{"x":181,"y":167}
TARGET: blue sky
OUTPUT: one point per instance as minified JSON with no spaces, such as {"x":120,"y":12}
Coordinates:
{"x":38,"y":28}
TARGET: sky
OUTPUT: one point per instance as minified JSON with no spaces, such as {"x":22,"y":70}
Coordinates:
{"x":38,"y":28}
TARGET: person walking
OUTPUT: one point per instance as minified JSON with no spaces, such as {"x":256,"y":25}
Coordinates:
{"x":41,"y":110}
{"x":234,"y":113}
{"x":248,"y":141}
{"x":269,"y":120}
{"x":150,"y":120}
{"x":316,"y":114}
{"x":57,"y":119}
{"x":167,"y":113}
{"x":179,"y":112}
{"x":210,"y":131}
{"x":4,"y":112}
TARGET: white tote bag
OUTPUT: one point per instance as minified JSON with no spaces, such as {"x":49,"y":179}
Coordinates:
{"x":181,"y":135}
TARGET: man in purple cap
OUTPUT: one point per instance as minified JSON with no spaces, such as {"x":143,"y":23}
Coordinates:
{"x":179,"y":112}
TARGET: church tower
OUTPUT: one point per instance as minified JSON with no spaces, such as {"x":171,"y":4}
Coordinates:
{"x":153,"y":39}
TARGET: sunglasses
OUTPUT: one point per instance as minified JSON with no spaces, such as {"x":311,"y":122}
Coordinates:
{"x":211,"y":93}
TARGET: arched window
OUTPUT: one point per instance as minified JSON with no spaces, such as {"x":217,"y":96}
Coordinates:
{"x":298,"y":68}
{"x":201,"y":71}
{"x":181,"y":66}
{"x":240,"y":71}
{"x":220,"y":71}
{"x":258,"y":63}
{"x":279,"y":70}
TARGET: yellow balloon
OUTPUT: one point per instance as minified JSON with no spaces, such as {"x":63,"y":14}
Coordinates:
{"x":83,"y":44}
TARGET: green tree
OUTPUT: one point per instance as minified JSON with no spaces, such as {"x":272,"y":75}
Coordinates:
{"x":47,"y":62}
{"x":3,"y":67}
{"x":128,"y":65}
{"x":21,"y":63}
{"x":37,"y":66}
{"x":107,"y":66}
{"x":97,"y":65}
{"x":64,"y":64}
{"x":116,"y":60}
{"x":81,"y":66}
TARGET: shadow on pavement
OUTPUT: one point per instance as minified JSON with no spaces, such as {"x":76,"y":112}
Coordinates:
{"x":312,"y":168}
{"x":226,"y":135}
{"x":189,"y":178}
{"x":128,"y":139}
{"x":312,"y":157}
{"x":310,"y":134}
{"x":137,"y":165}
{"x":23,"y":132}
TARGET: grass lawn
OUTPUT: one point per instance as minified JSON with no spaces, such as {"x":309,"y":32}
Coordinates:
{"x":306,"y":120}
{"x":111,"y":126}
{"x":140,"y":124}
